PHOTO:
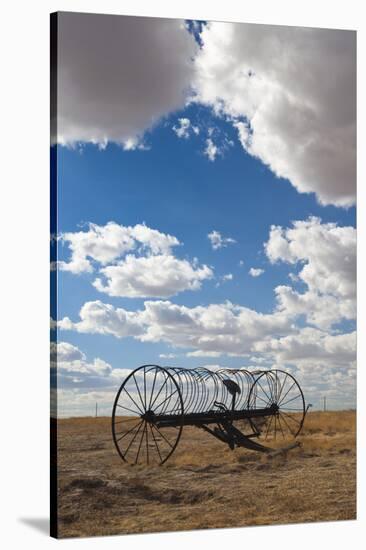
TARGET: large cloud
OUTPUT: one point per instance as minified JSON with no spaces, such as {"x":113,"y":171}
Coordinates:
{"x":223,"y":328}
{"x":291,"y":94}
{"x":327,"y":256}
{"x":118,"y":75}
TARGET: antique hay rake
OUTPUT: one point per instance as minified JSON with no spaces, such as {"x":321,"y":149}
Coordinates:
{"x":154,"y":403}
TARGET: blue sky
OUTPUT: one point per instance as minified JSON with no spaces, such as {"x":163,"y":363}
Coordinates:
{"x":169,"y":183}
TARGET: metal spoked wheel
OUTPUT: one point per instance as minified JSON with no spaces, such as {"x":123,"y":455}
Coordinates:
{"x":280,"y":389}
{"x":147,"y":392}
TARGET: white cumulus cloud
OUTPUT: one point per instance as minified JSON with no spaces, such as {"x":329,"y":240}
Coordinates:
{"x":211,"y":150}
{"x":310,"y":345}
{"x":107,"y":243}
{"x":291,"y":94}
{"x":154,"y":276}
{"x":218,"y":241}
{"x":255,"y":272}
{"x":326,"y":254}
{"x":185,"y":128}
{"x":222,"y":328}
{"x":152,"y":271}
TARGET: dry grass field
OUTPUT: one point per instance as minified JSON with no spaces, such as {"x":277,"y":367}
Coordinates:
{"x":204,"y":484}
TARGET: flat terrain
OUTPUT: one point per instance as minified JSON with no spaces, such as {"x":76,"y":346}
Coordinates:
{"x":204,"y":484}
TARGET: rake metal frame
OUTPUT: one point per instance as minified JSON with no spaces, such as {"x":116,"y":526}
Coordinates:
{"x":167,"y":399}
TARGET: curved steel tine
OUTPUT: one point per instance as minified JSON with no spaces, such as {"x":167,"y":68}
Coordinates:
{"x":176,"y":372}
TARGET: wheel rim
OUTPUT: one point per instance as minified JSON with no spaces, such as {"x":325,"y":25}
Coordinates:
{"x":278,"y":388}
{"x":147,"y":392}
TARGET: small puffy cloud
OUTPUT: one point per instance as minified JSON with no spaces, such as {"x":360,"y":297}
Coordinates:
{"x":131,"y":144}
{"x":185,"y":128}
{"x":218,"y":241}
{"x":148,"y":72}
{"x":255,"y":272}
{"x":201,"y":353}
{"x":155,"y":276}
{"x":268,"y":81}
{"x":224,"y":279}
{"x":211,"y":150}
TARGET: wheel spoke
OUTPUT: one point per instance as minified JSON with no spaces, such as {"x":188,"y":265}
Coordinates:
{"x":132,"y":440}
{"x":127,"y":409}
{"x":153,"y":387}
{"x":147,"y":445}
{"x":145,"y":389}
{"x":280,"y":425}
{"x":169,"y":397}
{"x":139,"y":449}
{"x":259,"y":397}
{"x":163,"y":436}
{"x":292,"y":433}
{"x":138,"y":389}
{"x":282,"y":386}
{"x":268,"y":426}
{"x":275,"y":428}
{"x":291,"y":418}
{"x":156,"y":445}
{"x":269,"y":399}
{"x":159,"y":392}
{"x":132,"y":399}
{"x":276,"y":387}
{"x":129,"y":431}
{"x":126,"y":419}
{"x":292,"y":399}
{"x":290,"y":388}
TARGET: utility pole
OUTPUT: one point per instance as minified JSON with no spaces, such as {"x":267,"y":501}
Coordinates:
{"x":96,"y":410}
{"x":325,"y":403}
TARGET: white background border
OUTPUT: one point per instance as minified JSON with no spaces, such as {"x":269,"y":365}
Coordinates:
{"x":24,"y":212}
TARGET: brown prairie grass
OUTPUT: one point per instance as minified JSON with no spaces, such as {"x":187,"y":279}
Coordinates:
{"x":204,"y":484}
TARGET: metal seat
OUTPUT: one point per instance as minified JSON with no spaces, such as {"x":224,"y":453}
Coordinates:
{"x":233,"y":388}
